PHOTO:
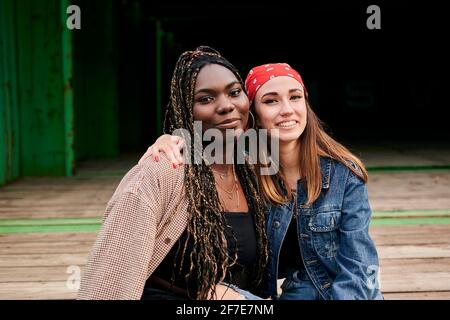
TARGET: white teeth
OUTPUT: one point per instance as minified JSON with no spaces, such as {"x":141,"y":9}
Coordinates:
{"x":287,"y":124}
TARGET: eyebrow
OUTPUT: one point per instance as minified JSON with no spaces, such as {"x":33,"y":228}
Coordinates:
{"x":276,"y":93}
{"x":208,"y":90}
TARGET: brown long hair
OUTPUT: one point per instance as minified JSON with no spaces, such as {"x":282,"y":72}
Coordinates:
{"x":209,"y":259}
{"x":314,"y":143}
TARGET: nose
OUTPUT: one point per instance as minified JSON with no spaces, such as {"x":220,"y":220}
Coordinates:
{"x":286,"y":109}
{"x":225,"y":105}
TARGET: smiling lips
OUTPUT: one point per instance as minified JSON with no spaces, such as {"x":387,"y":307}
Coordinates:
{"x":229,"y":123}
{"x":287,"y":124}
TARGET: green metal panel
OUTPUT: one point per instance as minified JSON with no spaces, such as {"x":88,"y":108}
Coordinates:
{"x":68,"y":91}
{"x":41,"y":87}
{"x":9,"y":121}
{"x":35,"y":95}
{"x":58,"y":89}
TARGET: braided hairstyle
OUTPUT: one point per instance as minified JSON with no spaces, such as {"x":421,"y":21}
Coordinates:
{"x":209,"y":259}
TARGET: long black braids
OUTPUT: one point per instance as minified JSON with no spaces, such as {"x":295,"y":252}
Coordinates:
{"x":209,"y":258}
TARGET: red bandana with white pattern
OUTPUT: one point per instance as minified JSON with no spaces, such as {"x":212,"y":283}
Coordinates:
{"x":263,"y":73}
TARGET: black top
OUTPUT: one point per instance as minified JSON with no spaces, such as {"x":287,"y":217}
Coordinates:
{"x":290,"y":255}
{"x":241,"y":236}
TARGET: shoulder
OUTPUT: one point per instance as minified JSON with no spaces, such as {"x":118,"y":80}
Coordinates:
{"x":339,"y":169}
{"x":327,"y":161}
{"x":151,"y":177}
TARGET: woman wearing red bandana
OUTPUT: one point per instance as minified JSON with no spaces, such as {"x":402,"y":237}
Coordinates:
{"x":317,"y":205}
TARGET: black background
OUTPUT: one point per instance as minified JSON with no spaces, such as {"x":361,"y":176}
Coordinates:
{"x":366,"y":85}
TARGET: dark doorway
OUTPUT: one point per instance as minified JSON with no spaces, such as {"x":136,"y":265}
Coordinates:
{"x":364,"y":84}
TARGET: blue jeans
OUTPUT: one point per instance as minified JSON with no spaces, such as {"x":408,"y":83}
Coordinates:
{"x":298,"y":286}
{"x":158,"y":294}
{"x":245,"y":293}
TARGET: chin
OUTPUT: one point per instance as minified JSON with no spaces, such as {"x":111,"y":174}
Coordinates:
{"x":289,"y":136}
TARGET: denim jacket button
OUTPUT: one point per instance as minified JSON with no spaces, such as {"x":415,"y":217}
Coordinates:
{"x":276,"y":224}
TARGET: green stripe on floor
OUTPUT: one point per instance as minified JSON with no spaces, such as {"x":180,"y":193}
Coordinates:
{"x":411,"y":213}
{"x":50,"y":225}
{"x":50,"y":228}
{"x":49,"y":221}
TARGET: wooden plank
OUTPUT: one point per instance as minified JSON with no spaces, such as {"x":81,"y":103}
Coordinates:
{"x":414,"y":282}
{"x":36,"y":274}
{"x":428,"y":230}
{"x":86,"y":213}
{"x":402,"y":252}
{"x":411,"y":240}
{"x":415,"y":265}
{"x":56,"y":197}
{"x":36,"y":290}
{"x":409,"y":190}
{"x":411,"y":234}
{"x":31,"y":260}
{"x":433,"y":295}
{"x":45,"y":247}
{"x":47,"y":237}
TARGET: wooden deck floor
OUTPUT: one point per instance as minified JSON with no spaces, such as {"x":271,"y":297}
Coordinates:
{"x":34,"y":263}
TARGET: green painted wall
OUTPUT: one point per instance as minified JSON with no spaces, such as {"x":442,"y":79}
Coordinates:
{"x":58,"y":87}
{"x":40,"y":87}
{"x":9,"y":108}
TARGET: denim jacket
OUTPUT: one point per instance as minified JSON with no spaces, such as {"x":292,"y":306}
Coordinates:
{"x":337,"y":251}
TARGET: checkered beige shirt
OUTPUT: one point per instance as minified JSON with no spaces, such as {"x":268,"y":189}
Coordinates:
{"x":144,"y":218}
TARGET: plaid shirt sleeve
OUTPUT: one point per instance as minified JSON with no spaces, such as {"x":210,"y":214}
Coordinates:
{"x":118,"y":264}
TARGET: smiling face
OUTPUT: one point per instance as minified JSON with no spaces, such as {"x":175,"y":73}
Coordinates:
{"x":219,"y":100}
{"x":280,"y":104}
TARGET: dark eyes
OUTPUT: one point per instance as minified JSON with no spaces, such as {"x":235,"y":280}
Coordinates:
{"x":207,"y":99}
{"x":271,"y":101}
{"x":235,"y":92}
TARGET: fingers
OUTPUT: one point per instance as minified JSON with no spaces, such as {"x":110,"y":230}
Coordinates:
{"x":177,"y":150}
{"x":156,"y":155}
{"x":171,"y":146}
{"x":172,"y":149}
{"x":170,"y":154}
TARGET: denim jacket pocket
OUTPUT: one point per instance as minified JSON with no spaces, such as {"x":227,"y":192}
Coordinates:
{"x":324,"y":227}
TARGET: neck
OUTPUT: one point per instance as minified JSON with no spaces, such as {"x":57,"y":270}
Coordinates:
{"x":225,"y":154}
{"x":290,"y":158}
{"x":223,"y":168}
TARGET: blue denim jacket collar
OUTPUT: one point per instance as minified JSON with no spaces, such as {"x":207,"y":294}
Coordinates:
{"x":325,"y":167}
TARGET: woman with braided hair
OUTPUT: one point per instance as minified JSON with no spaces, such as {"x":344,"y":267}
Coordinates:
{"x":196,"y":231}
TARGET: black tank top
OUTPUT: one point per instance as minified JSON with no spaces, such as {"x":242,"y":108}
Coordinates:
{"x":240,"y":234}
